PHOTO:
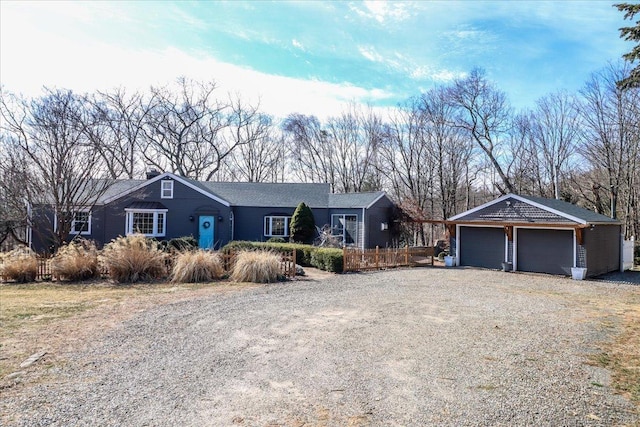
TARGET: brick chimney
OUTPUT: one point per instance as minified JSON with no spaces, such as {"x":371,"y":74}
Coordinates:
{"x":152,"y":173}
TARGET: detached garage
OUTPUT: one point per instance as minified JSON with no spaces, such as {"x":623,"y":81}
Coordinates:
{"x":535,"y":234}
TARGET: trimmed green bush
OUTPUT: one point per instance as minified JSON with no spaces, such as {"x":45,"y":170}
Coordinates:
{"x":327,"y":259}
{"x":276,"y":240}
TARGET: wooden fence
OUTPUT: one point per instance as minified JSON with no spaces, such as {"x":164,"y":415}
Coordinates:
{"x":287,"y":266}
{"x":376,"y":259}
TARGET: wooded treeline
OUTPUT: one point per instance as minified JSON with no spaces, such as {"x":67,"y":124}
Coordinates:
{"x":437,"y":154}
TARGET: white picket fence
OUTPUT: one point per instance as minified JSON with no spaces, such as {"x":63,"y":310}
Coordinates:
{"x":627,"y":254}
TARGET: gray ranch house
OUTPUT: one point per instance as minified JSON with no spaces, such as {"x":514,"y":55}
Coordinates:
{"x":535,"y":234}
{"x":167,"y":206}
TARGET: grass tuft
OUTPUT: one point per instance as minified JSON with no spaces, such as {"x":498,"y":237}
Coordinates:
{"x":134,"y":258}
{"x":256,"y":267}
{"x":197,"y":267}
{"x":20,"y":265}
{"x":76,"y":261}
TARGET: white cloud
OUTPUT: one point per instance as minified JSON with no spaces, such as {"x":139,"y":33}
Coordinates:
{"x":383,"y":11}
{"x":370,"y":53}
{"x":297,"y":44}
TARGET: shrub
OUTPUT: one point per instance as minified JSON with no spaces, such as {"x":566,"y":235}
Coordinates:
{"x":197,"y":267}
{"x":303,"y":225}
{"x":237,"y":246}
{"x":20,"y":265}
{"x":134,"y":258}
{"x":276,"y":240}
{"x":76,"y":261}
{"x":328,"y":259}
{"x":256,"y":267}
{"x":304,"y":253}
{"x":181,"y":244}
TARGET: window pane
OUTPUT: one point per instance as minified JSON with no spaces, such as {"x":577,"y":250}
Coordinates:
{"x":80,"y":222}
{"x":167,"y":189}
{"x":160,"y":223}
{"x":351,"y":229}
{"x":278,"y":227}
{"x":143,"y":222}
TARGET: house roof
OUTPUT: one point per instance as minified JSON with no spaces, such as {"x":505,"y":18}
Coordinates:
{"x":258,"y":194}
{"x":513,"y":208}
{"x":254,"y":194}
{"x":354,"y":200}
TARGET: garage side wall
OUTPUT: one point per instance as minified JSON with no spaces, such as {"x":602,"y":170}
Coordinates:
{"x":602,"y":247}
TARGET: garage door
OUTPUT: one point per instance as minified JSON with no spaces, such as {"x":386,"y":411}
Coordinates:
{"x":545,"y":251}
{"x":482,"y":247}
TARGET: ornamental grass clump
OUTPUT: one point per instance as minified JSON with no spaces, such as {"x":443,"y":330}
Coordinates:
{"x":134,"y":258}
{"x":256,"y":267}
{"x":197,"y":267}
{"x":76,"y":261}
{"x":20,"y":265}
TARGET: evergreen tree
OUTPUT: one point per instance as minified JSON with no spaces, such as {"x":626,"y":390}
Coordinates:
{"x":303,"y":225}
{"x":631,"y":34}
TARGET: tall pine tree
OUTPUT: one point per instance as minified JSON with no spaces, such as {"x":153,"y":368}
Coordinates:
{"x":303,"y":225}
{"x":631,"y":34}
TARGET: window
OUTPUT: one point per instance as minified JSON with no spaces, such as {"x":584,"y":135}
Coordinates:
{"x":346,"y":228}
{"x":166,"y":191}
{"x":151,"y":223}
{"x":81,"y":222}
{"x":276,"y":226}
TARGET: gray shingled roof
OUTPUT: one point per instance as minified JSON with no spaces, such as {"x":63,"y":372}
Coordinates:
{"x":353,"y":200}
{"x":513,"y":208}
{"x":571,"y":209}
{"x":118,"y":187}
{"x":270,"y":194}
{"x":254,"y":194}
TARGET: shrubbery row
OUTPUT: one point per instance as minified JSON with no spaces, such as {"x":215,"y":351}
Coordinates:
{"x":136,"y":258}
{"x":328,"y":259}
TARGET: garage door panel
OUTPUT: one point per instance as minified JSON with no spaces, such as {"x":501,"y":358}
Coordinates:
{"x":545,"y":251}
{"x":482,"y":247}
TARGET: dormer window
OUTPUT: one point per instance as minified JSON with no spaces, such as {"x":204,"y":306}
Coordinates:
{"x":166,"y":191}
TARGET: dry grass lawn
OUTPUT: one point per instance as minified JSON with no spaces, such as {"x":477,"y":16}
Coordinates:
{"x":58,"y":317}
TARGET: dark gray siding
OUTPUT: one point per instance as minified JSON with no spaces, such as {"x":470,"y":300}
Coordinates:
{"x":375,"y":216}
{"x":602,"y":246}
{"x":482,"y":247}
{"x":544,"y":250}
{"x":249,"y":221}
{"x":185,"y":203}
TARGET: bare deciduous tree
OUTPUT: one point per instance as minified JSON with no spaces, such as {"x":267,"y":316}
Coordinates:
{"x":62,"y":170}
{"x":486,"y":115}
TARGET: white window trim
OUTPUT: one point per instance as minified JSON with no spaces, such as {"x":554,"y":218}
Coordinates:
{"x":270,"y":218}
{"x":335,"y":223}
{"x":128,"y":224}
{"x":73,"y":221}
{"x":168,"y":187}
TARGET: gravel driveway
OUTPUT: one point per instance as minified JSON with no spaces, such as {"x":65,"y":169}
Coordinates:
{"x":414,"y":347}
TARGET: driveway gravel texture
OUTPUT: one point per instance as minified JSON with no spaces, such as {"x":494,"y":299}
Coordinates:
{"x":408,"y":347}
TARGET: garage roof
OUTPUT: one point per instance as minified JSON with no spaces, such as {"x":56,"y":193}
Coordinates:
{"x":513,"y":208}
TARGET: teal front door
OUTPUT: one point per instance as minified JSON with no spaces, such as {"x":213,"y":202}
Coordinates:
{"x":205,"y":231}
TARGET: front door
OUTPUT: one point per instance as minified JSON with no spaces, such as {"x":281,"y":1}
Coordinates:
{"x":205,"y":232}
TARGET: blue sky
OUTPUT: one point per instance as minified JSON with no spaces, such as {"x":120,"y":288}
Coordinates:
{"x":309,"y":57}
